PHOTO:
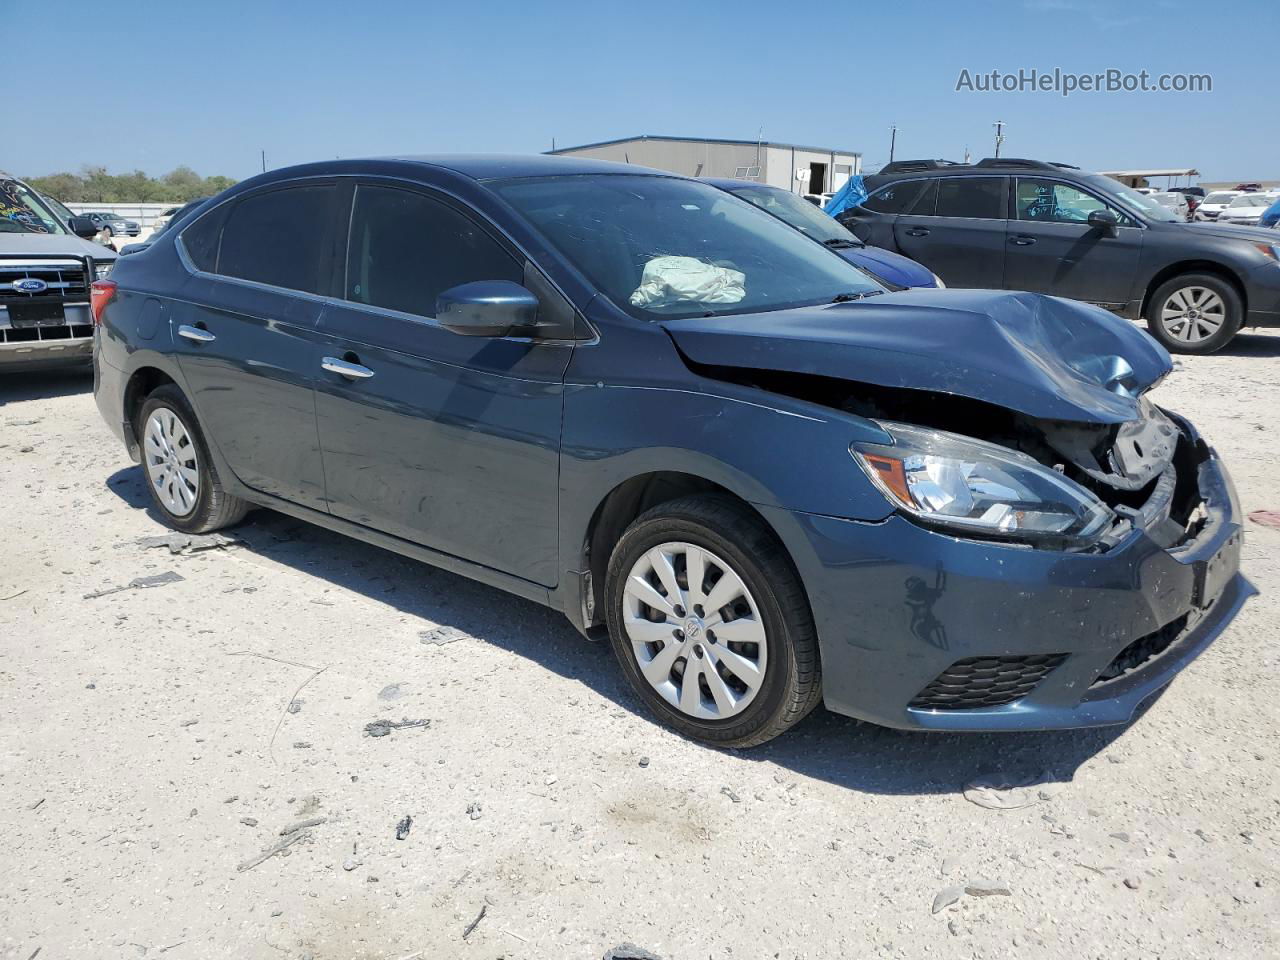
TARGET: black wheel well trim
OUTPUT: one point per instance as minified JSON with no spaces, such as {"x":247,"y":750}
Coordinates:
{"x":142,"y":383}
{"x":621,"y":506}
{"x":1195,"y":266}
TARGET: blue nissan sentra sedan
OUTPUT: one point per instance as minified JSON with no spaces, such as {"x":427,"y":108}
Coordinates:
{"x":702,"y":436}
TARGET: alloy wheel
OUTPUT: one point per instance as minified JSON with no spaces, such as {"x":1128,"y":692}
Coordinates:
{"x":1193,"y":314}
{"x":695,"y":630}
{"x":171,"y":461}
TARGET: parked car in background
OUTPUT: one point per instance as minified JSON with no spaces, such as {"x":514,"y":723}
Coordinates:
{"x":1248,"y":187}
{"x":1195,"y":196}
{"x":647,"y":403}
{"x":176,"y":217}
{"x":891,"y":269}
{"x":46,"y":267}
{"x":1048,"y":228}
{"x":114,"y":225}
{"x":1213,"y":205}
{"x":1175,"y":202}
{"x":162,"y":221}
{"x":1247,"y":209}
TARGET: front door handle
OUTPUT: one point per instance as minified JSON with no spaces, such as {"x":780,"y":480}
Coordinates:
{"x":1022,"y":240}
{"x":918,"y":232}
{"x":346,"y":368}
{"x":198,"y":334}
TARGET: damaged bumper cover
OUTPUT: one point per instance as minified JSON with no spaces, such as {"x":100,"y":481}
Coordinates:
{"x":924,"y":630}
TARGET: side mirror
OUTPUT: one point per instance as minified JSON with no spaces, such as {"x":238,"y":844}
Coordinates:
{"x":1104,"y":220}
{"x":487,"y":308}
{"x":83,"y":227}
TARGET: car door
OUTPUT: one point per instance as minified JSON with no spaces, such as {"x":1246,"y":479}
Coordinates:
{"x":956,"y":228}
{"x":246,"y":334}
{"x":447,"y":440}
{"x":1053,"y":249}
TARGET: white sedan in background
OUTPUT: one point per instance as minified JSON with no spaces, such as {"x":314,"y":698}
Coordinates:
{"x":1246,"y":209}
{"x":1215,"y":203}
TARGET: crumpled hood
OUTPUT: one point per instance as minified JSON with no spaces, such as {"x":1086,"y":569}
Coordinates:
{"x":1042,"y":356}
{"x":891,"y":266}
{"x":50,"y":245}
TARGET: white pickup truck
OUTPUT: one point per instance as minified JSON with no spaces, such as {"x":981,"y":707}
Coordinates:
{"x":46,"y":268}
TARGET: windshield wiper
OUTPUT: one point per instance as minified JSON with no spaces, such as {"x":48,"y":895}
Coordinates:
{"x":838,"y":243}
{"x":849,"y":297}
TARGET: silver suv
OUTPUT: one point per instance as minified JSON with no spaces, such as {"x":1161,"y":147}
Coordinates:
{"x":46,"y":270}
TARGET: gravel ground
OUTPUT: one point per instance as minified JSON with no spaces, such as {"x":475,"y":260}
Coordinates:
{"x":154,"y":742}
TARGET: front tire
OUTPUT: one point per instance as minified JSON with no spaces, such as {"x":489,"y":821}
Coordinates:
{"x":710,"y":623}
{"x":180,"y":474}
{"x":1195,"y":313}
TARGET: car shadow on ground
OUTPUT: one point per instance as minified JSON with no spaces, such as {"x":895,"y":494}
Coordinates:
{"x":848,"y":753}
{"x":1251,"y":345}
{"x":20,"y":385}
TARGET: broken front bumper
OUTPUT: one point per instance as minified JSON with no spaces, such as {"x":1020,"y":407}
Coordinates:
{"x":923,"y":630}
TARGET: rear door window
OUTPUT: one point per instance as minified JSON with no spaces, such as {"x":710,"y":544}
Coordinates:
{"x":972,"y":198}
{"x":895,"y":198}
{"x":280,"y":237}
{"x":406,"y":248}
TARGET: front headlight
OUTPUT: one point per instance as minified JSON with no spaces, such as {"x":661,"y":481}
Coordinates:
{"x":102,"y":269}
{"x":970,"y":485}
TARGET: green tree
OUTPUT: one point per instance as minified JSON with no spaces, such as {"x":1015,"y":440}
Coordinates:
{"x":94,"y":184}
{"x":66,"y":187}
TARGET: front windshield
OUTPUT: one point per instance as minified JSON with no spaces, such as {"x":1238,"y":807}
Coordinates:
{"x":21,"y":211}
{"x":1251,"y":200}
{"x":661,"y":247}
{"x":1219,"y":198}
{"x":796,"y":211}
{"x":1142,"y":203}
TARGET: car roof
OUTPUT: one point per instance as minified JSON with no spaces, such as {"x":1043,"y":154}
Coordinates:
{"x":493,"y":166}
{"x":728,"y":183}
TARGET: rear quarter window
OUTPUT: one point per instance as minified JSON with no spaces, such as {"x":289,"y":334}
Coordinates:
{"x":895,"y":198}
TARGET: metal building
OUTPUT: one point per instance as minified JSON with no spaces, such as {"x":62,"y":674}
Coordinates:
{"x":793,"y":167}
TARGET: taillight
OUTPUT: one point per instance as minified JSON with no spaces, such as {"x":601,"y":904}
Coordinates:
{"x":100,"y":294}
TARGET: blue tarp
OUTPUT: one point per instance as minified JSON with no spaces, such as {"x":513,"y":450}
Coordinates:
{"x":1271,"y":217}
{"x":850,"y":195}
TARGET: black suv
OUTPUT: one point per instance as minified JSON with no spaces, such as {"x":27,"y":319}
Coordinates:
{"x":1052,"y":228}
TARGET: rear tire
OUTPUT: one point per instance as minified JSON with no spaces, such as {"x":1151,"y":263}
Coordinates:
{"x":733,"y":676}
{"x":1195,"y":313}
{"x":179,"y":472}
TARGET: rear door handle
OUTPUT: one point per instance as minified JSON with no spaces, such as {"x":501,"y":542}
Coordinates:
{"x":346,"y":368}
{"x":198,"y":334}
{"x":918,"y":232}
{"x":1022,"y":240}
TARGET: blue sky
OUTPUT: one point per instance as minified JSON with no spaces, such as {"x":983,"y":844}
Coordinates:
{"x":217,"y":82}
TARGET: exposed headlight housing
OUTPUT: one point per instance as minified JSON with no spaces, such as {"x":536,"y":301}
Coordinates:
{"x":937,"y":282}
{"x":1271,"y":250}
{"x":966,"y":485}
{"x":102,"y":269}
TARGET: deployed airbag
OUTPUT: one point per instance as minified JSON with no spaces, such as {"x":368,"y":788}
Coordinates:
{"x":668,"y":280}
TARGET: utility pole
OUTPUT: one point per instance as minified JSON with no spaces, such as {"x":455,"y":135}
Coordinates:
{"x":999,"y":125}
{"x":264,"y":161}
{"x":893,"y":140}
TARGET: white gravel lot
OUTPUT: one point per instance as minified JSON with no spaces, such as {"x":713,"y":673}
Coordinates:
{"x":147,"y":749}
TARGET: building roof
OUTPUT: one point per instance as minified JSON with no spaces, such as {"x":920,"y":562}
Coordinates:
{"x":1181,"y":172}
{"x":734,"y":143}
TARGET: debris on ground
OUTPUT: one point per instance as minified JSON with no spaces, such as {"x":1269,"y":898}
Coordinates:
{"x":484,"y":908}
{"x":987,"y":888}
{"x":302,"y":825}
{"x":189,"y":542}
{"x":295,"y":705}
{"x":1131,"y":883}
{"x":1002,"y":792}
{"x":730,"y":794}
{"x":629,"y":951}
{"x":392,"y":691}
{"x":380,"y":728}
{"x":475,"y":811}
{"x":403,"y":827}
{"x":280,"y":846}
{"x":139,"y":583}
{"x":439,"y":636}
{"x":644,"y":761}
{"x":249,"y":821}
{"x":349,"y":864}
{"x":1266,"y":518}
{"x":946,"y":897}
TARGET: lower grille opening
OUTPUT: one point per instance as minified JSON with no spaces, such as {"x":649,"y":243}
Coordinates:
{"x":977,"y":682}
{"x":1142,"y":651}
